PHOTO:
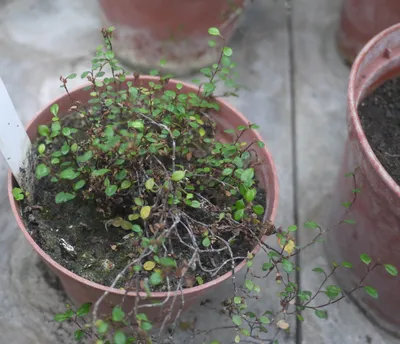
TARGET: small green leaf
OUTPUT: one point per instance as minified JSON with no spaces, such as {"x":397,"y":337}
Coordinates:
{"x":250,"y":195}
{"x":238,"y":215}
{"x":98,"y":173}
{"x":78,"y":334}
{"x":264,"y":320}
{"x":347,"y":265}
{"x":319,"y":270}
{"x":85,"y":157}
{"x":43,"y":130}
{"x":292,"y":228}
{"x":119,"y":337}
{"x":178,"y":175}
{"x":145,"y":326}
{"x":145,"y":212}
{"x":311,"y":225}
{"x":137,"y":125}
{"x":63,"y":197}
{"x":102,"y":326}
{"x":237,"y":320}
{"x":371,"y":291}
{"x":321,"y":314}
{"x":350,"y":222}
{"x":168,"y":261}
{"x":84,"y":309}
{"x":54,"y":109}
{"x":237,"y":300}
{"x":69,"y":314}
{"x":247,"y":175}
{"x":237,"y":339}
{"x":126,"y":184}
{"x":227,"y":172}
{"x":42,"y":171}
{"x":287,"y":265}
{"x":155,"y":278}
{"x":149,"y":184}
{"x":249,"y":285}
{"x":195,"y":204}
{"x":227,"y":51}
{"x":365,"y":258}
{"x":18,"y":194}
{"x":69,"y":174}
{"x":258,"y":209}
{"x":206,"y":242}
{"x":111,"y":190}
{"x":212,"y":43}
{"x":79,"y":185}
{"x":71,"y":76}
{"x":118,"y":314}
{"x":391,"y":269}
{"x":66,"y":131}
{"x":213,"y":31}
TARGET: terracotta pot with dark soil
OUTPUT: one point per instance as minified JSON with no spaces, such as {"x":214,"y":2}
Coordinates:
{"x":361,"y":20}
{"x":147,"y":189}
{"x":373,"y":152}
{"x":174,"y":30}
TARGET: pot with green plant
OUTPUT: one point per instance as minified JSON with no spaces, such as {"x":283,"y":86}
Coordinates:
{"x":146,"y":188}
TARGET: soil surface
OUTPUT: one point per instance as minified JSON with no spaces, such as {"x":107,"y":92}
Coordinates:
{"x":380,"y":118}
{"x":80,"y":238}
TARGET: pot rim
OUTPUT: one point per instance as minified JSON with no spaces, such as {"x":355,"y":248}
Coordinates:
{"x":352,"y":106}
{"x":273,"y":191}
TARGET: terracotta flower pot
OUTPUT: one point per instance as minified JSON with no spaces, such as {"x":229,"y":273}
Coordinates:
{"x":376,"y":209}
{"x":361,"y":20}
{"x":81,"y":290}
{"x":174,"y":30}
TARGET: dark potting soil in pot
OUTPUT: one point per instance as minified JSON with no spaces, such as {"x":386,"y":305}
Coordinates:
{"x":380,"y":117}
{"x":80,"y":238}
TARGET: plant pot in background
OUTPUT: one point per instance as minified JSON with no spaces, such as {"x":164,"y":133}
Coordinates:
{"x":361,"y":20}
{"x":81,"y":290}
{"x":174,"y":30}
{"x":376,"y":209}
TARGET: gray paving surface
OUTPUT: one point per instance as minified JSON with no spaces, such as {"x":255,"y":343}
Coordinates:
{"x":302,"y":93}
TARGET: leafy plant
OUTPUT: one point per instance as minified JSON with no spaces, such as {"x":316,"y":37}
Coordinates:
{"x":151,"y":163}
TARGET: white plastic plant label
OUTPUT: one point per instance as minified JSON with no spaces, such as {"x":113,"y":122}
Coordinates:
{"x":14,"y":141}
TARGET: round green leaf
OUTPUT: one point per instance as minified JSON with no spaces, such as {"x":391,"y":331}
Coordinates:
{"x":206,"y":242}
{"x":43,"y":130}
{"x":69,"y":174}
{"x":63,"y":197}
{"x":118,"y":314}
{"x":126,"y":184}
{"x":42,"y":171}
{"x":145,"y":326}
{"x":119,"y":337}
{"x":258,"y":209}
{"x":227,"y":51}
{"x":213,"y":31}
{"x":237,"y":320}
{"x":321,"y":314}
{"x":178,"y":175}
{"x":145,"y":212}
{"x":111,"y":190}
{"x":287,"y":265}
{"x":149,"y":184}
{"x":155,"y":278}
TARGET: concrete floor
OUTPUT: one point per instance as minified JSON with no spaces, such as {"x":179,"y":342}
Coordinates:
{"x":296,"y":88}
